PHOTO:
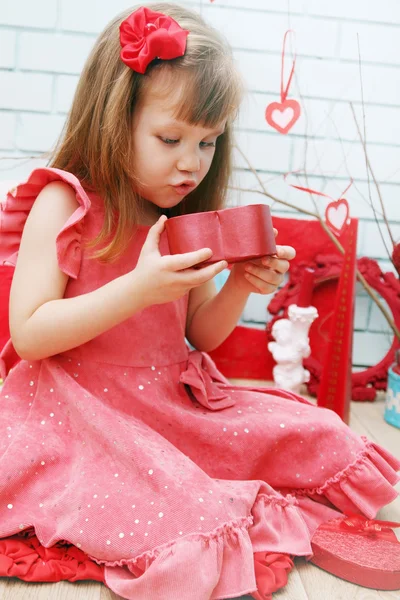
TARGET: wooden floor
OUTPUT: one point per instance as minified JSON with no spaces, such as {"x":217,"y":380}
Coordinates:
{"x":306,"y":581}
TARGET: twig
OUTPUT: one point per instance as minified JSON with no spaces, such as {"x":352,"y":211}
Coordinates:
{"x":363,"y":140}
{"x":275,"y":199}
{"x":369,"y":202}
{"x":373,"y":176}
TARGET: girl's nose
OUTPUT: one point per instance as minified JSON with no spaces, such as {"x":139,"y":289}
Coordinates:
{"x":189,"y":161}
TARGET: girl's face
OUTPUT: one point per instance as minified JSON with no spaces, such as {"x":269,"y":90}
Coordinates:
{"x":170,"y":157}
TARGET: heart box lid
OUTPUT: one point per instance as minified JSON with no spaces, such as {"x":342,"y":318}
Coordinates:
{"x":233,"y":234}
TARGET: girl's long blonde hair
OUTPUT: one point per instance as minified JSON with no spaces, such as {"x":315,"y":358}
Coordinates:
{"x":96,"y":143}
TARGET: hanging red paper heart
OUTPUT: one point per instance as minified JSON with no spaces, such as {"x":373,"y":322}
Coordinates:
{"x":282,"y":115}
{"x":337,"y":215}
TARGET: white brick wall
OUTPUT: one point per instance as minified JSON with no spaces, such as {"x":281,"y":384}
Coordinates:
{"x":38,"y":132}
{"x":41,"y":14}
{"x":7,"y":49}
{"x":43,"y":46}
{"x":53,"y":52}
{"x":26,"y":91}
{"x":64,"y":92}
{"x":7,"y":130}
{"x":384,"y":11}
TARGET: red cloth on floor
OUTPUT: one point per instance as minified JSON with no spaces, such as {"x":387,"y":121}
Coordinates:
{"x":28,"y":560}
{"x":272,"y":570}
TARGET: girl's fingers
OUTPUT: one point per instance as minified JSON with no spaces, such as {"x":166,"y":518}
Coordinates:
{"x":276,"y":264}
{"x":179,"y":262}
{"x":153,"y":237}
{"x":285,"y":252}
{"x":267,"y":276}
{"x":262,"y":286}
{"x":196,"y":277}
{"x":280,"y":262}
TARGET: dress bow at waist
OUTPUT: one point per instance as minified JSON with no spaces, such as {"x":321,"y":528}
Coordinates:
{"x":206,"y":382}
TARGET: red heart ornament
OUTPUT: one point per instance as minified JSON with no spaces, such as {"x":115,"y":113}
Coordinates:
{"x":282,"y":115}
{"x":336,"y":215}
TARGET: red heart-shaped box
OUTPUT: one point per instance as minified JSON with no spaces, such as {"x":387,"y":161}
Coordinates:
{"x":233,"y":234}
{"x":365,"y":552}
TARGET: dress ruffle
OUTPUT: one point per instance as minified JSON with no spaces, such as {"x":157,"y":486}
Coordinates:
{"x":8,"y":359}
{"x":199,"y":567}
{"x":15,"y":210}
{"x":225,"y":558}
{"x":220,"y":563}
{"x":350,"y":490}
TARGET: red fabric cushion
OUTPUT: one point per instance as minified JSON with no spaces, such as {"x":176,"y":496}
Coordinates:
{"x":272,"y":570}
{"x":28,"y":560}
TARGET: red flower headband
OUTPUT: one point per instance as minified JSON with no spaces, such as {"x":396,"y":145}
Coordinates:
{"x":146,"y":35}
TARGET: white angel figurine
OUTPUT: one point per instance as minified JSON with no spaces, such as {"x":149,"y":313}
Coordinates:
{"x":288,"y":351}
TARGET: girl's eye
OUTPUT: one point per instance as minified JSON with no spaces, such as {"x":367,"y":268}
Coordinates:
{"x":169,"y":141}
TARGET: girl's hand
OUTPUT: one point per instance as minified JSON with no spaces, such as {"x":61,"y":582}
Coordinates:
{"x":166,"y":278}
{"x":263,"y":275}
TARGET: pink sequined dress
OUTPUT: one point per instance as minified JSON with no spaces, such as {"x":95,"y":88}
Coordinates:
{"x":140,"y":453}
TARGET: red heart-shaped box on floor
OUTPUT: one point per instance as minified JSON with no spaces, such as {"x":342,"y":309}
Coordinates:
{"x":233,"y":234}
{"x":365,"y":552}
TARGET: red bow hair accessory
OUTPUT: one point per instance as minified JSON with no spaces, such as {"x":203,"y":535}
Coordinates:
{"x":146,"y":35}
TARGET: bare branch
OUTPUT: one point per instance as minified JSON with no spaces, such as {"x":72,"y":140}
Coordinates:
{"x":373,"y":177}
{"x":275,"y":199}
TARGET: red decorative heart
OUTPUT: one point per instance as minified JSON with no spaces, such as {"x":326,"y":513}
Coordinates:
{"x":336,"y":215}
{"x":282,"y":115}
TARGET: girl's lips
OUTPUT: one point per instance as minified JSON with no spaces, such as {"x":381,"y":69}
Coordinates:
{"x":183,"y":189}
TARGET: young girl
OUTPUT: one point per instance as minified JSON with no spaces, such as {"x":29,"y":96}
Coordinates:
{"x":164,"y":480}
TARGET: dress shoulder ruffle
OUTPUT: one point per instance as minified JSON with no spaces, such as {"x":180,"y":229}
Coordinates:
{"x":15,"y":210}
